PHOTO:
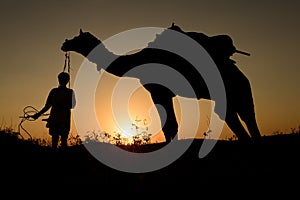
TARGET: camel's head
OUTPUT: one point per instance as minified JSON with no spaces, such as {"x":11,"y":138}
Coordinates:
{"x":84,"y":43}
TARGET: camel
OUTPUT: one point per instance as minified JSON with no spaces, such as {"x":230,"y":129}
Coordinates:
{"x":238,"y":90}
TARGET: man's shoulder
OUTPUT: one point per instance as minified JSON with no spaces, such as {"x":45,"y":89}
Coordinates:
{"x":53,"y":90}
{"x":71,"y":90}
{"x":59,"y":90}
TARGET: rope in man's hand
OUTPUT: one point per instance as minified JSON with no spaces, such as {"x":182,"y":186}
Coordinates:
{"x":29,"y":114}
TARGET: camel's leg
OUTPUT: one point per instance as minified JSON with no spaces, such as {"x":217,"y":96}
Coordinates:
{"x":245,"y":109}
{"x":253,"y":128}
{"x":170,"y":127}
{"x":250,"y":121}
{"x":163,"y":96}
{"x":236,"y":126}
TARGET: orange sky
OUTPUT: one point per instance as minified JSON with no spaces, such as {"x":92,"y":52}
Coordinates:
{"x":33,"y":31}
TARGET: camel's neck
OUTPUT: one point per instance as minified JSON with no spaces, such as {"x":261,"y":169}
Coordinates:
{"x":100,"y":55}
{"x":84,"y":48}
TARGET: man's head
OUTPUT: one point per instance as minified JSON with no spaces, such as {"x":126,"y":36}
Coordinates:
{"x":63,"y":78}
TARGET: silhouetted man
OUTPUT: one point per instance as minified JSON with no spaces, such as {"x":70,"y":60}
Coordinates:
{"x":61,"y":100}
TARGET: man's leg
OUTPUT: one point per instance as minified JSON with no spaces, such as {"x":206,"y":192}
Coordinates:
{"x":55,"y":138}
{"x":64,"y":141}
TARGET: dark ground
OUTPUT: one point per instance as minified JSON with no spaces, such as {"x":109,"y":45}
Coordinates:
{"x":271,"y":165}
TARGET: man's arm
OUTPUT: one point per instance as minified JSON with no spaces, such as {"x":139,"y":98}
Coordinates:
{"x":46,"y":107}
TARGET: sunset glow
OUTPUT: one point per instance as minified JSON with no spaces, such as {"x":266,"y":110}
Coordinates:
{"x":31,"y":55}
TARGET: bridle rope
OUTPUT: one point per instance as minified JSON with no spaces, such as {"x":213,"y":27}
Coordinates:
{"x":67,"y":64}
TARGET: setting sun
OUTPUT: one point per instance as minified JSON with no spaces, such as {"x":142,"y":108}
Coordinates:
{"x":135,"y":107}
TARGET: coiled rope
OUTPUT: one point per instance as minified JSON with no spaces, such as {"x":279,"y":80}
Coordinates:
{"x":28,"y":112}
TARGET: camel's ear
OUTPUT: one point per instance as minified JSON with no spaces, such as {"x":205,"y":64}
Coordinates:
{"x":80,"y":31}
